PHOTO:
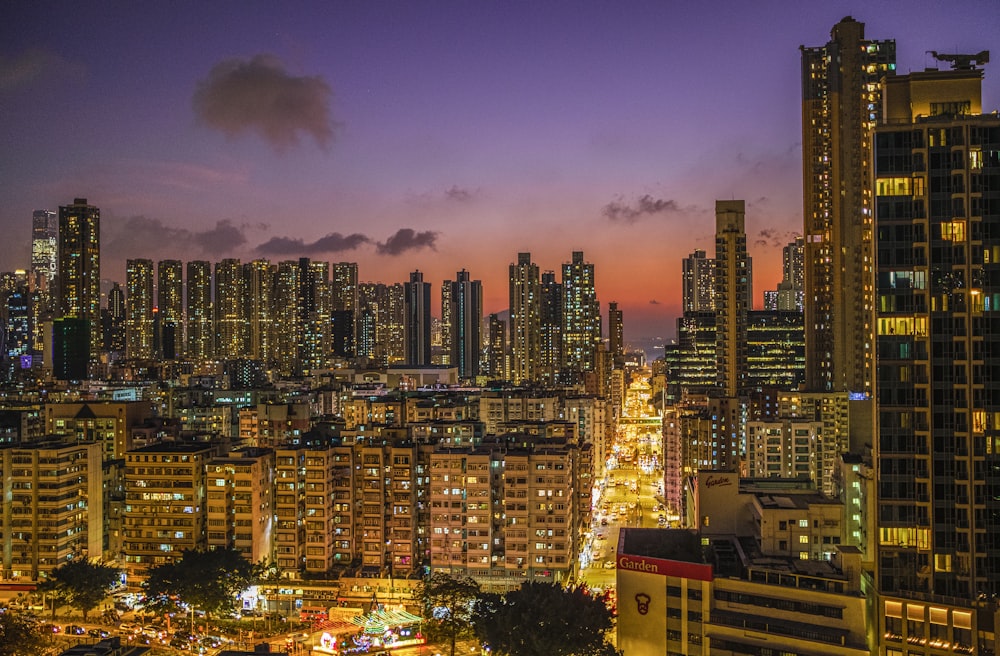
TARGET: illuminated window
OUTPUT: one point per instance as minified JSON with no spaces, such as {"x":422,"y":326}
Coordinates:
{"x":953,"y":230}
{"x":894,"y":187}
{"x":803,"y":539}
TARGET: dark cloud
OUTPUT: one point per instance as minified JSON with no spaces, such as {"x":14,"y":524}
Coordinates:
{"x":260,"y":96}
{"x":620,"y":211}
{"x":406,"y":239}
{"x":140,"y":235}
{"x":654,"y":302}
{"x":458,"y":194}
{"x":331,"y":243}
{"x":31,"y":65}
{"x":774,"y":238}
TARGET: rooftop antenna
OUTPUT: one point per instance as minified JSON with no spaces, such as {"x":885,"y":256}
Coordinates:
{"x":962,"y":62}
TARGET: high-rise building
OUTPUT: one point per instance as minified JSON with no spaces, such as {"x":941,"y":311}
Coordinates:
{"x":496,"y":359}
{"x":117,"y":320}
{"x":841,"y":94}
{"x":550,"y":326}
{"x":616,"y":334}
{"x":170,"y":307}
{"x":200,"y":330}
{"x":259,"y":276}
{"x":79,"y":279}
{"x":938,"y":288}
{"x":418,"y":320}
{"x":733,"y":294}
{"x":789,"y":294}
{"x":44,"y":269}
{"x":525,"y":319}
{"x":464,"y":324}
{"x":230,"y":325}
{"x":697,"y":283}
{"x":581,"y":317}
{"x":287,"y":316}
{"x":344,"y":293}
{"x":314,"y":303}
{"x":139,"y":309}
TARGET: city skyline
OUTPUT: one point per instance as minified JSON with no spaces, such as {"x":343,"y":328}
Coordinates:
{"x":432,"y":138}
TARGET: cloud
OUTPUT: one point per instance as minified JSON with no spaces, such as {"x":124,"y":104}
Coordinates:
{"x":406,"y":239}
{"x":774,"y":238}
{"x":331,"y":243}
{"x":31,"y":65}
{"x":260,"y":96}
{"x":654,"y":302}
{"x":620,"y":211}
{"x":138,"y":236}
{"x":458,"y":194}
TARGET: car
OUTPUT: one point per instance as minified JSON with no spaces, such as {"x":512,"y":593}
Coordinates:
{"x":98,"y":633}
{"x":75,"y":629}
{"x":51,"y":628}
{"x":128,"y":627}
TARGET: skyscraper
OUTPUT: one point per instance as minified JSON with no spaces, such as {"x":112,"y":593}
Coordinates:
{"x":230,"y":326}
{"x":616,"y":334}
{"x":170,"y":306}
{"x":497,"y":348}
{"x":581,"y":315}
{"x":790,"y":295}
{"x":938,"y":288}
{"x":259,"y":276}
{"x":344,"y":292}
{"x":117,"y":318}
{"x":465,"y":324}
{"x":44,"y":270}
{"x":697,"y":283}
{"x":287,"y":316}
{"x":550,"y":327}
{"x":733,"y":294}
{"x":139,"y":309}
{"x":525,"y":319}
{"x":840,"y":99}
{"x":79,"y":278}
{"x":314,"y":303}
{"x":418,"y":320}
{"x":200,"y":331}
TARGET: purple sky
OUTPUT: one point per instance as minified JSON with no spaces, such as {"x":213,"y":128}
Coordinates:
{"x":431,"y":135}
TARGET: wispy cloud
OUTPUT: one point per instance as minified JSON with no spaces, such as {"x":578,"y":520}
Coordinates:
{"x":331,"y":243}
{"x":140,"y":236}
{"x":406,"y":239}
{"x":620,"y":211}
{"x":774,"y":238}
{"x":31,"y":65}
{"x":260,"y":96}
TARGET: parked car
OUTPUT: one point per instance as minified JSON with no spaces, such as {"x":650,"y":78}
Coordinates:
{"x":75,"y":629}
{"x":98,"y":633}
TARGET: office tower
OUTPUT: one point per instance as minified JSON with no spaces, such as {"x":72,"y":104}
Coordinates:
{"x":938,"y":288}
{"x":463,"y":323}
{"x":697,"y":283}
{"x":418,"y":320}
{"x":550,"y":330}
{"x":259,"y":276}
{"x":733,"y":293}
{"x":117,"y":320}
{"x":139,"y":309}
{"x":525,"y":319}
{"x":44,"y":269}
{"x":170,"y":306}
{"x":70,"y":348}
{"x":230,"y":326}
{"x":616,"y":334}
{"x":344,"y":283}
{"x":840,"y":97}
{"x":581,"y":315}
{"x":79,"y":279}
{"x":287,"y":316}
{"x":15,"y":332}
{"x":496,"y":362}
{"x":200,"y":328}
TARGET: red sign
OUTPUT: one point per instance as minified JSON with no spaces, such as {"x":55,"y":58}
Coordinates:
{"x":663,"y":567}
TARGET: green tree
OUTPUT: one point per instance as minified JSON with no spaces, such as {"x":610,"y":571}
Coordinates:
{"x":448,"y":603}
{"x":206,"y":580}
{"x":21,"y":635}
{"x":81,"y":584}
{"x":543,"y":619}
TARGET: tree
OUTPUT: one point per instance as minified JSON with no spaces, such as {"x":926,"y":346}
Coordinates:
{"x":543,"y":619}
{"x":206,"y":580}
{"x":21,"y":635}
{"x":80,"y":583}
{"x":448,"y":603}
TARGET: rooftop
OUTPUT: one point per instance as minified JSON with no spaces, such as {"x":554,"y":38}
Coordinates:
{"x":668,"y":544}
